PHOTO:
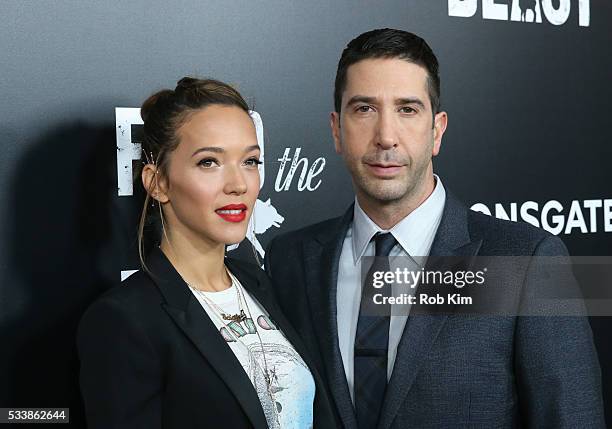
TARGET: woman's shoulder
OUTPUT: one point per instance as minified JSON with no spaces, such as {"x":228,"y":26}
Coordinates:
{"x":126,"y":317}
{"x":134,"y":295}
{"x":134,"y":288}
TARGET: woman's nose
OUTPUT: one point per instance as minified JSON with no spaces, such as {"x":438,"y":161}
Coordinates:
{"x":235,"y":183}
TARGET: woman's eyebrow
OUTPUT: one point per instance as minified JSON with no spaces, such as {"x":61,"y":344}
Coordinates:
{"x":216,"y":149}
{"x":208,"y":149}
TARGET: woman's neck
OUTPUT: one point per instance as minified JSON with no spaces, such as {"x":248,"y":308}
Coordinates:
{"x":200,"y":263}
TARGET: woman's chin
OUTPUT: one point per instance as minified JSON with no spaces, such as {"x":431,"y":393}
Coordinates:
{"x":233,"y":239}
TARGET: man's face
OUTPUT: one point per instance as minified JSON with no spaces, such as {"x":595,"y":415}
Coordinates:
{"x":385,"y":132}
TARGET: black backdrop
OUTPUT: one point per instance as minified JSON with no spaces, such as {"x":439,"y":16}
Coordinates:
{"x":528,"y":129}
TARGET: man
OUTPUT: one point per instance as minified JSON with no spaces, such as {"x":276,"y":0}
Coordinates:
{"x":425,"y":370}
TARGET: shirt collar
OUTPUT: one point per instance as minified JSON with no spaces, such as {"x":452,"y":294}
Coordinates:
{"x":411,"y":232}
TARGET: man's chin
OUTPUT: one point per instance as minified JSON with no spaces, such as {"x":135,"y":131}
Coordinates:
{"x":385,"y":193}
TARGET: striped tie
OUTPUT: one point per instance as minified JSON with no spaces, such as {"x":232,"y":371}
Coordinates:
{"x":372,"y":341}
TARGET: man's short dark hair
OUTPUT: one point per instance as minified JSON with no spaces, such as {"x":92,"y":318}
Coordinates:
{"x":389,"y":43}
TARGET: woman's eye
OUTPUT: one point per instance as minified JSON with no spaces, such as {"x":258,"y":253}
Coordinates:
{"x":252,"y":162}
{"x":208,"y":162}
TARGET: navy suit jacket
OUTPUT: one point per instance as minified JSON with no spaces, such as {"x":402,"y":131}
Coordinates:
{"x":451,"y":371}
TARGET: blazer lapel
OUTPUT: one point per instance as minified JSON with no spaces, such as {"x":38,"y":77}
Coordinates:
{"x":421,"y":331}
{"x":322,"y":256}
{"x":193,"y":320}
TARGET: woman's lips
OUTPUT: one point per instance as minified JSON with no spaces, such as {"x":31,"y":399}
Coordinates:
{"x":382,"y":170}
{"x":232,"y":212}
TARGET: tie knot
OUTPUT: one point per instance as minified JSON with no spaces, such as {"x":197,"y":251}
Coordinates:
{"x":384,"y":243}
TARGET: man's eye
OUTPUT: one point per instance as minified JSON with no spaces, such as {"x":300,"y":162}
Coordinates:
{"x":253,"y":162}
{"x":363,"y":109}
{"x":208,"y":162}
{"x":407,"y":109}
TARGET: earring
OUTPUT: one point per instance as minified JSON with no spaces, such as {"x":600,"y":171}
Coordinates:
{"x":255,"y":253}
{"x":161,"y":217}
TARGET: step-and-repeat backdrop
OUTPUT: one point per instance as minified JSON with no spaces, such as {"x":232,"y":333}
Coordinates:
{"x":525,"y":83}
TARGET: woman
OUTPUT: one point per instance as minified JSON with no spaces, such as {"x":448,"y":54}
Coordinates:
{"x":196,"y":339}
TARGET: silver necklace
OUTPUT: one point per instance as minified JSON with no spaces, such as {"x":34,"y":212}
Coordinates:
{"x":238,"y":317}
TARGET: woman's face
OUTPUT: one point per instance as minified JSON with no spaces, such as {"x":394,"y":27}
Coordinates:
{"x":212,"y":179}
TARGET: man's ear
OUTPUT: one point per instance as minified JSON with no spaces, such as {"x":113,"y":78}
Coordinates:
{"x":334,"y":122}
{"x":440,"y":123}
{"x":155,"y":183}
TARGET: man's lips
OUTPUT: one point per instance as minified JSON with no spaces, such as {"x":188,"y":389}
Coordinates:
{"x":232,"y":212}
{"x":384,"y":170}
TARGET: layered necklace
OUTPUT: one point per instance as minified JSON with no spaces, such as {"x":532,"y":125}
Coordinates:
{"x":232,"y":324}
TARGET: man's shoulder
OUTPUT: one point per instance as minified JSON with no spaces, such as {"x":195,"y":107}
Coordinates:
{"x":510,"y":237}
{"x":481,"y":223}
{"x":323,"y":229}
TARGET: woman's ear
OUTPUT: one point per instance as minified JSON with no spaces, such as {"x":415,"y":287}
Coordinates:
{"x":154,"y":183}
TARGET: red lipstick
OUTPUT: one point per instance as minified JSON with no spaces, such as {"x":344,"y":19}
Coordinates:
{"x":232,"y":212}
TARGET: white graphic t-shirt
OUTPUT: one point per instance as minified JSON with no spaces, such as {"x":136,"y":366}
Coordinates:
{"x":290,"y":403}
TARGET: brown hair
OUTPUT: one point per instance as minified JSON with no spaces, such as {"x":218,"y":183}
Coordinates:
{"x":389,"y":43}
{"x":163,"y":114}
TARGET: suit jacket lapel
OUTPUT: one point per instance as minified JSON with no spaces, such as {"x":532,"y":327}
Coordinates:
{"x":322,"y":256}
{"x":191,"y":318}
{"x":421,"y":331}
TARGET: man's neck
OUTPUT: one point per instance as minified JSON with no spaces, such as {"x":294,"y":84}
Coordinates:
{"x":388,"y":214}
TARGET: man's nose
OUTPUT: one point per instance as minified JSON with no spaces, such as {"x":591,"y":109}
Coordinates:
{"x":386,"y":135}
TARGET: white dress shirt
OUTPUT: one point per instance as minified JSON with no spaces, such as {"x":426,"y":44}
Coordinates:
{"x":414,"y":234}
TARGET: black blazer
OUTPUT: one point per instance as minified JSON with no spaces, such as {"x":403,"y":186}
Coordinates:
{"x":451,"y":371}
{"x":152,"y":358}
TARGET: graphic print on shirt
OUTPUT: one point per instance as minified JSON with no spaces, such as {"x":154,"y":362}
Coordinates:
{"x":281,"y":359}
{"x":290,"y":378}
{"x":237,"y":329}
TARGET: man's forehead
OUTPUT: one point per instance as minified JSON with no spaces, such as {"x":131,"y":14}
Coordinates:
{"x":386,"y":75}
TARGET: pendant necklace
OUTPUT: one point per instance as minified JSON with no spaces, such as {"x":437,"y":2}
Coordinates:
{"x":232,"y":323}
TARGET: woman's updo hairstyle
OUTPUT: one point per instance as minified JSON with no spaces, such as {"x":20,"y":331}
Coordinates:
{"x":163,"y":114}
{"x":165,"y":111}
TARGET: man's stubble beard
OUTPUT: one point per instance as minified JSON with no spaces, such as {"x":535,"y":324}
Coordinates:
{"x":388,"y":191}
